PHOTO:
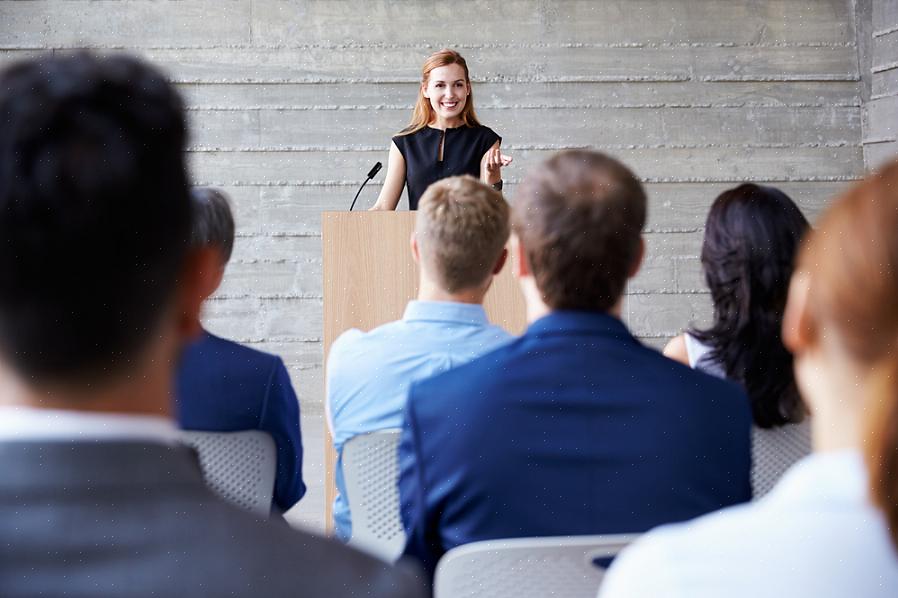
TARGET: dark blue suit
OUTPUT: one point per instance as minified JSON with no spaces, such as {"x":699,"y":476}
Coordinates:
{"x":575,"y":428}
{"x":223,"y":386}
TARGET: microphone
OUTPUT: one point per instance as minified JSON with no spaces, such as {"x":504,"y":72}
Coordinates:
{"x":371,"y":174}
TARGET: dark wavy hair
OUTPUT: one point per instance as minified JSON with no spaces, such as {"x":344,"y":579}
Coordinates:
{"x":752,"y":237}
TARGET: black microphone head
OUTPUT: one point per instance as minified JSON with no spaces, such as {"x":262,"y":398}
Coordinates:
{"x":375,"y":170}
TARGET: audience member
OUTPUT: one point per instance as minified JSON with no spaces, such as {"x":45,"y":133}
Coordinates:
{"x":98,"y":291}
{"x":751,"y":238}
{"x":461,"y":228}
{"x":223,"y":386}
{"x":817,"y":533}
{"x":576,"y":427}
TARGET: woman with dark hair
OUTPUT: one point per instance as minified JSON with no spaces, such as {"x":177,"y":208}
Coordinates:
{"x":830,"y":527}
{"x":444,"y":137}
{"x":752,"y":235}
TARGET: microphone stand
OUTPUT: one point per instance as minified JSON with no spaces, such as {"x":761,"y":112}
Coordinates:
{"x":358,"y":192}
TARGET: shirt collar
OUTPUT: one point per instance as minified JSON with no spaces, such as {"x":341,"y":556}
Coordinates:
{"x":563,"y":321}
{"x":445,"y":311}
{"x":32,"y":424}
{"x":834,"y":474}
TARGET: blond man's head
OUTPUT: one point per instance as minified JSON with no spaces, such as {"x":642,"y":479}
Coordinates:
{"x":461,"y":228}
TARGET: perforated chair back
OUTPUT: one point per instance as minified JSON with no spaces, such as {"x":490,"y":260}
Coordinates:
{"x":561,"y":567}
{"x":774,"y":450}
{"x":371,"y":474}
{"x":238,"y":466}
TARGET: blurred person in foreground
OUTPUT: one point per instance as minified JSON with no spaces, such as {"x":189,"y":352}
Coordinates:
{"x":99,"y":290}
{"x":817,"y":533}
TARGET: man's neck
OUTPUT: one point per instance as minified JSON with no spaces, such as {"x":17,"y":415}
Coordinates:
{"x":429,"y":291}
{"x":142,"y":390}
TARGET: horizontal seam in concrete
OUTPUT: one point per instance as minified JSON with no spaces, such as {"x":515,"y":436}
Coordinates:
{"x":487,"y":106}
{"x":881,"y":68}
{"x":780,"y":78}
{"x":415,"y":46}
{"x":876,"y":140}
{"x":299,"y":149}
{"x":515,"y":181}
{"x":886,"y":31}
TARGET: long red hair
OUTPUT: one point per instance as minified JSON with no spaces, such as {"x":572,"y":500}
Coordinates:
{"x":852,"y":259}
{"x":423,"y":114}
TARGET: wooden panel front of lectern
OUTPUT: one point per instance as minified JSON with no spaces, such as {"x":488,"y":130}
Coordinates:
{"x":369,"y":277}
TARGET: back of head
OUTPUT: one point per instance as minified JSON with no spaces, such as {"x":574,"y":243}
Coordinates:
{"x":461,"y":228}
{"x":752,"y":236}
{"x":213,"y":223}
{"x":94,"y":211}
{"x":852,"y":263}
{"x":579,"y":216}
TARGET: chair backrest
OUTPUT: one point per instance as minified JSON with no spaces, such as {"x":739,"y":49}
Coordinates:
{"x":562,"y":567}
{"x":239,"y":466}
{"x":371,"y":474}
{"x":774,"y":450}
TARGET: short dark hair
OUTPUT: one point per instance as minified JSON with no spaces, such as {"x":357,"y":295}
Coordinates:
{"x":213,"y":223}
{"x":752,"y":237}
{"x":94,"y":211}
{"x":579,"y":216}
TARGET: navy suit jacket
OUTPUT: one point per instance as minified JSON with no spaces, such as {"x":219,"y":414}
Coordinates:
{"x":575,"y":428}
{"x":223,"y":386}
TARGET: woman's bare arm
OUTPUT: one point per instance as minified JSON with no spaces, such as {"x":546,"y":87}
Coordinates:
{"x":676,"y":350}
{"x":393,"y":183}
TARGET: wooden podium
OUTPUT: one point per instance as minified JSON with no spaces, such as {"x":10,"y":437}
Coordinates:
{"x":369,"y":277}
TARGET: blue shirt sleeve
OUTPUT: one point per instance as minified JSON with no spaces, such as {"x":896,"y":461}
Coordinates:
{"x":280,"y":418}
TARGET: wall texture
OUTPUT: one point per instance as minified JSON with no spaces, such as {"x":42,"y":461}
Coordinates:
{"x":291,"y":102}
{"x":881,"y":124}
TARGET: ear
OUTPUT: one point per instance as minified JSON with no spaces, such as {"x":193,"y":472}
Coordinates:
{"x":424,"y":91}
{"x":200,"y":277}
{"x":637,"y":263}
{"x":519,"y":257}
{"x":416,"y":252}
{"x":798,"y":331}
{"x":500,"y":263}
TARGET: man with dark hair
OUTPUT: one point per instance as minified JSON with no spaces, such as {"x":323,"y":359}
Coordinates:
{"x":223,"y":386}
{"x":576,"y":427}
{"x":99,"y":289}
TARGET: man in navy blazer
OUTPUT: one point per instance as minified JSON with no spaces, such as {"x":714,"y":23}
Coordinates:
{"x":576,"y":427}
{"x":223,"y":386}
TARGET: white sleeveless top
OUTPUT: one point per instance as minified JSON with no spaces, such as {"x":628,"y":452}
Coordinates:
{"x":773,"y":450}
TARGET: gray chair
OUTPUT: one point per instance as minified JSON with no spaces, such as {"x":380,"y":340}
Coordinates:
{"x":774,"y":450}
{"x":239,"y":466}
{"x":561,"y":567}
{"x":371,"y":474}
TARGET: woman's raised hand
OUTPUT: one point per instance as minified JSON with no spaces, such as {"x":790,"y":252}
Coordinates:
{"x":492,"y":163}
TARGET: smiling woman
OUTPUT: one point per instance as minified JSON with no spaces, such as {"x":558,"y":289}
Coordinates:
{"x":444,"y":137}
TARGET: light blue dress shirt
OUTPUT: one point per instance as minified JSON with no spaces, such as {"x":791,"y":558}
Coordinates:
{"x":369,"y":373}
{"x":815,"y":534}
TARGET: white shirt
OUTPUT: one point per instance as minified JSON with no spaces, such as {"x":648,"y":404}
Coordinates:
{"x":815,"y":534}
{"x":36,"y":425}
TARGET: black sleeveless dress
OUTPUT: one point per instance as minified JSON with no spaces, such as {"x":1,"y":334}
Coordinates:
{"x":463,"y":149}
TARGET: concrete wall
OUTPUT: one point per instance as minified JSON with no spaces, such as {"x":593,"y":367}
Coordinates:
{"x":881,"y":64}
{"x":291,"y":102}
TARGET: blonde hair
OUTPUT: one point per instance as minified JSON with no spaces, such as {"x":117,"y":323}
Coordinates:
{"x":423,"y":114}
{"x":852,"y":260}
{"x":461,"y":227}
